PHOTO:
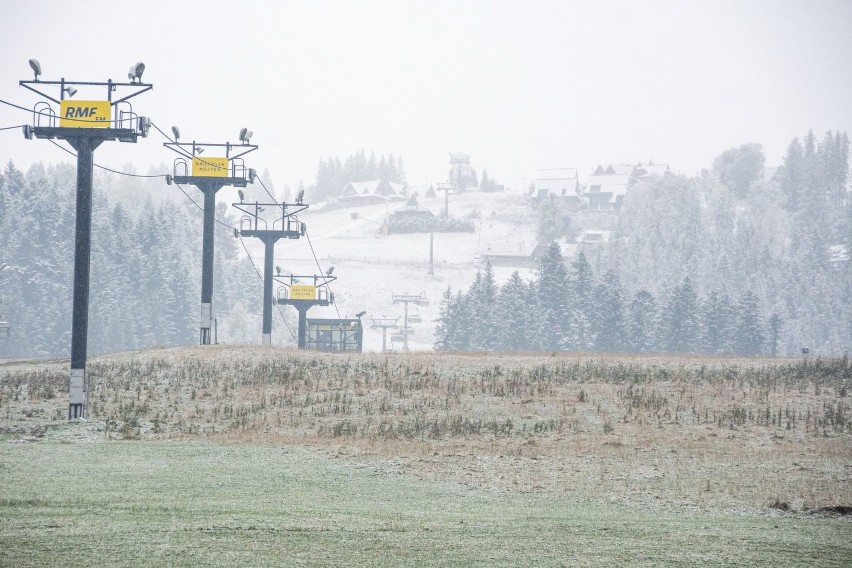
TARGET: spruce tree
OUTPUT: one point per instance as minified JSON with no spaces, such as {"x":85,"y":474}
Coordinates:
{"x":792,"y":175}
{"x":750,"y":336}
{"x":514,"y":315}
{"x":643,"y":322}
{"x":681,"y":331}
{"x":581,"y":306}
{"x":609,"y":321}
{"x":552,"y":296}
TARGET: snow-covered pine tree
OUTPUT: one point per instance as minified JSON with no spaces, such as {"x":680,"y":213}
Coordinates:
{"x":608,"y":323}
{"x":552,"y":297}
{"x":643,"y":322}
{"x":750,"y":335}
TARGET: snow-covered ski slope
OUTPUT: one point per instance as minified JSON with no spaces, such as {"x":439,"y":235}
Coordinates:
{"x":370,"y":267}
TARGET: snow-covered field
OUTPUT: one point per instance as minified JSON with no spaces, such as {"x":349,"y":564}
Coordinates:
{"x":370,"y":267}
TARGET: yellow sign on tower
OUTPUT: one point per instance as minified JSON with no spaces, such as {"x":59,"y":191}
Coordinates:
{"x":84,"y":114}
{"x":303,"y":292}
{"x":210,"y":167}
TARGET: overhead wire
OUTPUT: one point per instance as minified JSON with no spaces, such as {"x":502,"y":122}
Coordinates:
{"x":272,"y":197}
{"x":13,"y":127}
{"x":106,"y":168}
{"x":327,"y":285}
{"x":16,"y":106}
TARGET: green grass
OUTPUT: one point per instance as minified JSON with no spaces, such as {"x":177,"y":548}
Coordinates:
{"x":194,"y":504}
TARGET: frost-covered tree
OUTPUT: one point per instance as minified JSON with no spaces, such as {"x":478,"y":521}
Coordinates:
{"x":552,"y":297}
{"x":738,"y":168}
{"x":750,"y":336}
{"x":608,"y":319}
{"x":680,"y":327}
{"x":643,"y":323}
{"x":514,"y":315}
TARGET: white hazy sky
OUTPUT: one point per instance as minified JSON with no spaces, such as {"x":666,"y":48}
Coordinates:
{"x":519,"y":85}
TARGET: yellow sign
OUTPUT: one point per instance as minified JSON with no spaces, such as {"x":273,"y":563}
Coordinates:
{"x":303,"y":292}
{"x":210,"y":167}
{"x":84,"y":114}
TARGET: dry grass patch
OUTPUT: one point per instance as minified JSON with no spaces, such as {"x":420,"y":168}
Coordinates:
{"x":711,"y":432}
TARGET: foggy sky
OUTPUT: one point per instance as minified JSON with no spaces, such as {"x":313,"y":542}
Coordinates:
{"x":519,"y":85}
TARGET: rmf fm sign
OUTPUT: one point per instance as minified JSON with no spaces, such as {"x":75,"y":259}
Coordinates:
{"x":84,"y":114}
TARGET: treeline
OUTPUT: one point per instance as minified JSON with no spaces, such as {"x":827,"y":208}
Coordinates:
{"x":332,"y":175}
{"x":145,"y":268}
{"x":786,"y":235}
{"x":570,"y":308}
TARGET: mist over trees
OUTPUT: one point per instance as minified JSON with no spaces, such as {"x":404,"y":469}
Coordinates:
{"x":733,"y":261}
{"x":145,"y":271}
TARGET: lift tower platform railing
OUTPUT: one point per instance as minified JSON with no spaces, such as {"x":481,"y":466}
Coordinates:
{"x":294,"y":292}
{"x":210,"y":174}
{"x":283,"y":226}
{"x":85,"y":125}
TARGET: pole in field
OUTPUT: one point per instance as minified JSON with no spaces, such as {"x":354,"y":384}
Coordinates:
{"x":210,"y":174}
{"x":85,"y":125}
{"x":269,"y":230}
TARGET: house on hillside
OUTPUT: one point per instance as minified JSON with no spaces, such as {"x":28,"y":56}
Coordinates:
{"x":379,"y":188}
{"x":594,"y":237}
{"x":651,"y":169}
{"x":517,"y":256}
{"x":606,"y":187}
{"x":559,"y":182}
{"x":613,"y":169}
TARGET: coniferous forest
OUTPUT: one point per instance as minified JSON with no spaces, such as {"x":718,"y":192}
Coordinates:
{"x":145,"y":266}
{"x":731,"y":261}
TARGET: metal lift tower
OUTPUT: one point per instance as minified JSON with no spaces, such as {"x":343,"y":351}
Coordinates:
{"x":85,"y":125}
{"x":305,"y":296}
{"x":384,"y":323}
{"x":210,"y":174}
{"x":417,"y":300}
{"x":253,"y":224}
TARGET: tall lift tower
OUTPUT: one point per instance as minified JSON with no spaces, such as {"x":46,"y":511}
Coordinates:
{"x":294,"y":292}
{"x":462,"y":175}
{"x":210,"y":174}
{"x":405,"y":299}
{"x":384,"y":323}
{"x":85,"y":125}
{"x":283,"y":226}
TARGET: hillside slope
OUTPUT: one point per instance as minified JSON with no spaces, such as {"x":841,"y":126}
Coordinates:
{"x":370,"y":267}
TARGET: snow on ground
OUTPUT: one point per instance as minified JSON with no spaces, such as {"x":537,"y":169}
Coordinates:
{"x":370,"y":267}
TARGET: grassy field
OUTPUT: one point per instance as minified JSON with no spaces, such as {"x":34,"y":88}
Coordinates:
{"x":192,"y":504}
{"x":248,"y":455}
